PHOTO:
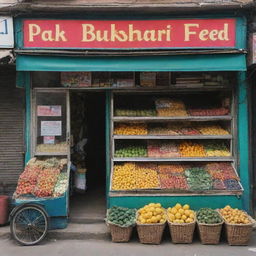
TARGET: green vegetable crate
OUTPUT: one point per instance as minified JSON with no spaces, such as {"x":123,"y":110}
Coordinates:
{"x":210,"y":225}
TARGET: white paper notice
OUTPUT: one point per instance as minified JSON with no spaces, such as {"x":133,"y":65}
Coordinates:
{"x":51,"y":128}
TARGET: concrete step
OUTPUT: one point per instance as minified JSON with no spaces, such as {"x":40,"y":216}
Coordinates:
{"x":74,"y":231}
{"x":86,"y":220}
{"x":98,"y":231}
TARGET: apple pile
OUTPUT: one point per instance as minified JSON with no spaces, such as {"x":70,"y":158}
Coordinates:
{"x":46,"y":182}
{"x":27,"y":181}
{"x":209,"y":112}
{"x":168,"y":181}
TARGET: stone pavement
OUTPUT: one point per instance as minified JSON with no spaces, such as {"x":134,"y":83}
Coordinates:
{"x":103,"y":247}
{"x":94,"y":239}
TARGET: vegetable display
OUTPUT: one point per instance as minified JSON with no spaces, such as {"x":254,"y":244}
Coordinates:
{"x":208,"y":216}
{"x":123,"y":217}
{"x":198,"y":179}
{"x":129,"y":150}
{"x":185,"y":177}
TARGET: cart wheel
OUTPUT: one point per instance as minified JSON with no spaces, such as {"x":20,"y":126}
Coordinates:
{"x":29,"y":224}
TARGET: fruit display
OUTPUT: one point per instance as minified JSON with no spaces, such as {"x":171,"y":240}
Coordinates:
{"x":124,"y":177}
{"x":212,"y":130}
{"x":131,"y":150}
{"x":162,"y":129}
{"x":129,"y":176}
{"x":180,"y":214}
{"x":135,"y":112}
{"x":215,"y":149}
{"x":208,"y":112}
{"x":222,"y":171}
{"x":40,"y":176}
{"x":170,"y":107}
{"x":146,"y":178}
{"x":191,"y":149}
{"x":218,"y":184}
{"x":162,"y":149}
{"x":198,"y":179}
{"x":131,"y":129}
{"x":168,"y":181}
{"x":61,"y":185}
{"x":27,"y":180}
{"x":208,"y":216}
{"x":232,"y":184}
{"x":234,"y":216}
{"x":170,"y":168}
{"x":46,"y":182}
{"x":151,"y":213}
{"x":120,"y":216}
{"x":189,"y":131}
{"x":60,"y":147}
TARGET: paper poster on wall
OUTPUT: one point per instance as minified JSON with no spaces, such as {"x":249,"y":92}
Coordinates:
{"x":49,"y":139}
{"x":43,"y":110}
{"x":51,"y":128}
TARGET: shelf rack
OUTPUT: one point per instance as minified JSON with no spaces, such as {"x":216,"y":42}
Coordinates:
{"x":153,"y":119}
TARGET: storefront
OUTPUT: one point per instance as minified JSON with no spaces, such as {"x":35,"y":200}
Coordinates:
{"x":167,"y":105}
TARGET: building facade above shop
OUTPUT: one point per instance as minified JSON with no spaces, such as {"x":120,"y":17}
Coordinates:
{"x":139,"y":5}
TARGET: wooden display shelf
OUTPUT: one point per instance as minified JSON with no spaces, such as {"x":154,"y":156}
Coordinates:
{"x":171,"y":137}
{"x":170,"y":118}
{"x":176,"y":159}
{"x":165,"y":192}
{"x":51,"y":153}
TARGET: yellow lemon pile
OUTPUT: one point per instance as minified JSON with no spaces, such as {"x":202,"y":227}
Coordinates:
{"x":151,"y":213}
{"x":234,"y":216}
{"x":180,"y":214}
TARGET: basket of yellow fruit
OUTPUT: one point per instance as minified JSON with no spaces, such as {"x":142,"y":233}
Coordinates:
{"x":151,"y":220}
{"x":238,"y":225}
{"x":181,"y":222}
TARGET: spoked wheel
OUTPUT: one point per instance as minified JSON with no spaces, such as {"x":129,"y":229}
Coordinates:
{"x":29,"y":224}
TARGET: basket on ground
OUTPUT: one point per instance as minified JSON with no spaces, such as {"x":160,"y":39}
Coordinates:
{"x":239,"y":234}
{"x":150,"y":233}
{"x":210,"y":233}
{"x":120,"y":234}
{"x":210,"y":224}
{"x":182,"y":233}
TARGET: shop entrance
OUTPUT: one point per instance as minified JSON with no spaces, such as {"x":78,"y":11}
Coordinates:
{"x":87,"y":120}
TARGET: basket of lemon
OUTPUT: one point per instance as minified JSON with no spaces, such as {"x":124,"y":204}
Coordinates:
{"x":238,"y":225}
{"x":151,"y":220}
{"x":121,"y":222}
{"x":181,"y":222}
{"x":209,"y":224}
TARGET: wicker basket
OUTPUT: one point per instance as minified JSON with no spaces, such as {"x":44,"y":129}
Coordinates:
{"x":182,"y":233}
{"x":239,"y":234}
{"x":210,"y":233}
{"x":150,"y":233}
{"x":120,"y":234}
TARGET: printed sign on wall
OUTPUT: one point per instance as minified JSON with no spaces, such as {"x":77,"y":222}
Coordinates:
{"x":6,"y":32}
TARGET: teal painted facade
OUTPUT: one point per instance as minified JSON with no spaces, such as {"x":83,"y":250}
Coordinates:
{"x":204,"y":62}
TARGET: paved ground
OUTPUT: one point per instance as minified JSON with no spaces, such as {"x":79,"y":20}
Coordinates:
{"x":106,"y":248}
